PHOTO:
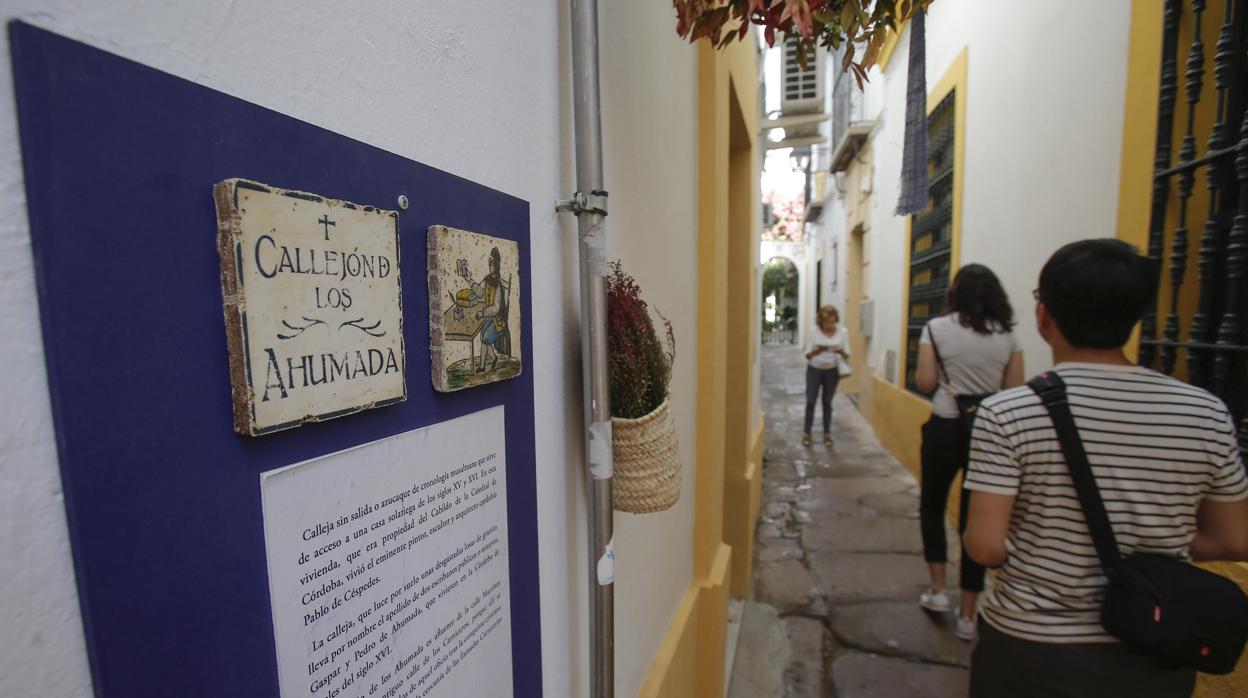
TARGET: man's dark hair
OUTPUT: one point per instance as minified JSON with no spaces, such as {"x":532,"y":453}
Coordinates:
{"x":1096,"y":290}
{"x":980,"y":302}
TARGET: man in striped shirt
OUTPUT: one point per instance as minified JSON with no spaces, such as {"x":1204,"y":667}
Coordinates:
{"x":1165,"y":459}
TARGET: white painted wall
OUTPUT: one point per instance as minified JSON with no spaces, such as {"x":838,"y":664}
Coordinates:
{"x":829,"y":239}
{"x":1043,"y":143}
{"x":649,"y":101}
{"x":887,"y":241}
{"x":478,"y":90}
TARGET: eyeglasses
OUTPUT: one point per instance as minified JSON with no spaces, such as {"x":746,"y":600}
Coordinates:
{"x":1035,"y":293}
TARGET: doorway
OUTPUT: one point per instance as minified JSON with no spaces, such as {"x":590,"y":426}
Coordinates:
{"x":780,"y":301}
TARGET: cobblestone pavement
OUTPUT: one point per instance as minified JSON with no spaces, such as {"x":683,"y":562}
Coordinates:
{"x":838,"y":565}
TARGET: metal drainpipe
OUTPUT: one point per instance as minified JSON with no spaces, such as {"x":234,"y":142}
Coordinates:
{"x":589,"y":203}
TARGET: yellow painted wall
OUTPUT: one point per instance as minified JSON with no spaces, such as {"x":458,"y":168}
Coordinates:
{"x":897,"y":415}
{"x":728,"y":472}
{"x":740,"y":473}
{"x":1135,"y":192}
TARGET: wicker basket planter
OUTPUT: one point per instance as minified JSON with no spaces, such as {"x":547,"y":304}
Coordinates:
{"x":647,"y":464}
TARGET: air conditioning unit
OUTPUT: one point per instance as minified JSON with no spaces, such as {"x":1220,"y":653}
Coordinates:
{"x":802,"y":90}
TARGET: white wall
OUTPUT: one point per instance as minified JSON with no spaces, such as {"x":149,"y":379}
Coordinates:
{"x":1043,"y":142}
{"x":835,"y":243}
{"x":649,"y":102}
{"x":472,"y":89}
{"x":886,"y":284}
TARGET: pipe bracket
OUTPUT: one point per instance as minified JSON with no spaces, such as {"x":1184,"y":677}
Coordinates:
{"x":594,"y":202}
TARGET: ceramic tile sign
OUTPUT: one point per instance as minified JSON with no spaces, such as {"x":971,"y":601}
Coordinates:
{"x":313,"y":308}
{"x":474,"y":309}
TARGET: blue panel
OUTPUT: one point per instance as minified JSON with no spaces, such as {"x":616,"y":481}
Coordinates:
{"x":162,"y":497}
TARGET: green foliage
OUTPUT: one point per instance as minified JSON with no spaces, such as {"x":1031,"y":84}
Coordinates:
{"x":779,"y":275}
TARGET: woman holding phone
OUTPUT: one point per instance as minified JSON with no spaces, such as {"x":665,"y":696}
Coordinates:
{"x":827,"y":360}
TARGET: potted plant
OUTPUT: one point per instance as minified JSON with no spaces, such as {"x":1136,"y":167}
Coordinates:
{"x":639,"y":366}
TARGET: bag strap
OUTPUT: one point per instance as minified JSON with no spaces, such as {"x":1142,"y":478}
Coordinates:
{"x":1052,"y":391}
{"x":931,"y":338}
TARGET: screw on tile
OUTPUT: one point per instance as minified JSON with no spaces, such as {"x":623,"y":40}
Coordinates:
{"x":403,"y":202}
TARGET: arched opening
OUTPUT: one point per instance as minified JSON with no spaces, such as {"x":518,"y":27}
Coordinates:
{"x":780,"y":301}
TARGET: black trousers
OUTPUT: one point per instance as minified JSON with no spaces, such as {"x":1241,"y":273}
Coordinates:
{"x":816,"y":379}
{"x":1003,"y":666}
{"x":944,"y":452}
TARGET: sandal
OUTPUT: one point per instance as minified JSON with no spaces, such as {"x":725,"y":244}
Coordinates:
{"x":827,"y":439}
{"x":805,"y":439}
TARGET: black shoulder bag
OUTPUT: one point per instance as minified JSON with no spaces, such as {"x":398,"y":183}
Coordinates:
{"x":1175,"y":612}
{"x":967,"y":404}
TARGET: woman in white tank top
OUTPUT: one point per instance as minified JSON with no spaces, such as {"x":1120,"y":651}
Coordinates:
{"x":969,"y":353}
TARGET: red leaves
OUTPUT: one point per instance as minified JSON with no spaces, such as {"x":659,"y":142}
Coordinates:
{"x":864,"y":24}
{"x":639,"y":366}
{"x":798,"y":11}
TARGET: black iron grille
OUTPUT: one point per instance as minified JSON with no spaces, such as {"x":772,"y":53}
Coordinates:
{"x":931,"y":234}
{"x":1197,"y":330}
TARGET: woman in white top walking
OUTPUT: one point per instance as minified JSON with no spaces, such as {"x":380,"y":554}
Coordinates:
{"x":827,"y":360}
{"x":964,"y":356}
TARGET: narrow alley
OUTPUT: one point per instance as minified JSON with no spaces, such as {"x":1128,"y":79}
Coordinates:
{"x":838,"y":565}
{"x":480,"y":368}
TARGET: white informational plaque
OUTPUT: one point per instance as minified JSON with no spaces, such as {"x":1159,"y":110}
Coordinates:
{"x":388,"y":566}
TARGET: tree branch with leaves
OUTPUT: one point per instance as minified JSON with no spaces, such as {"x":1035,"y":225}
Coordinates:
{"x":862,"y":26}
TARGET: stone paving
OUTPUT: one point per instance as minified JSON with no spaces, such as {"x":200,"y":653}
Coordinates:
{"x":838,"y":565}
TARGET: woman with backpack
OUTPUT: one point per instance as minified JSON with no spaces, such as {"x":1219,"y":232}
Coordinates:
{"x":965,"y":355}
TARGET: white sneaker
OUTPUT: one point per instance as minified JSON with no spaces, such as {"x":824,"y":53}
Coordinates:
{"x":935,"y":601}
{"x":966,"y":629}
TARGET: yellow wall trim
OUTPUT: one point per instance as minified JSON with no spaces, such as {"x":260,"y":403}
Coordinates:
{"x":889,"y":46}
{"x":676,"y":649}
{"x":690,"y":659}
{"x":741,"y":510}
{"x":1139,"y":131}
{"x":897,"y":416}
{"x":1139,"y":122}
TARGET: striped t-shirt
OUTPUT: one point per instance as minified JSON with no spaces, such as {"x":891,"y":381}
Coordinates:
{"x":1157,"y":447}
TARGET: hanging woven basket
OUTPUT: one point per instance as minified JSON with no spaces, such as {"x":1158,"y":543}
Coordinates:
{"x":647,"y":465}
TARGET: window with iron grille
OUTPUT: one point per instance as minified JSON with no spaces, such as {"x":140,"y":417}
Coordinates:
{"x":931,"y":234}
{"x":1197,"y":328}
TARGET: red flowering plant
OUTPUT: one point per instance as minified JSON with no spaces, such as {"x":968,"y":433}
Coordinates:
{"x":861,"y":25}
{"x":639,"y":364}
